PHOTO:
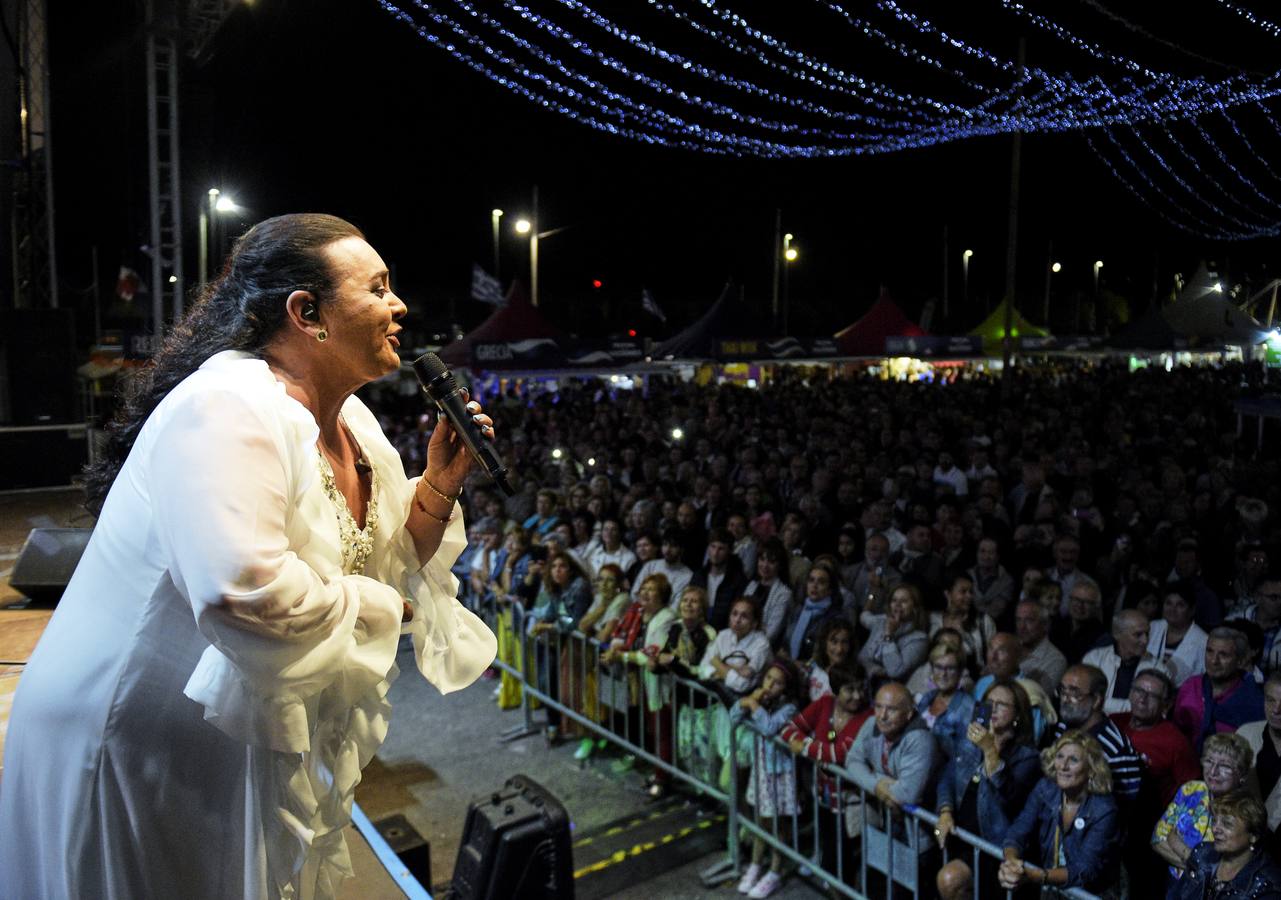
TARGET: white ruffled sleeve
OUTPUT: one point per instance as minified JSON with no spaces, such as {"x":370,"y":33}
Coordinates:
{"x":223,"y":482}
{"x":452,"y":646}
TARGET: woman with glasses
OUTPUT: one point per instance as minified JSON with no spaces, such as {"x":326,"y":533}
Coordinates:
{"x":946,"y":709}
{"x":1233,"y":866}
{"x":1225,"y":762}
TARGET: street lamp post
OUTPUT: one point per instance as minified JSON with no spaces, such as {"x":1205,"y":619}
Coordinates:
{"x":530,"y":227}
{"x":206,"y":209}
{"x":215,"y":202}
{"x":496,"y":214}
{"x":965,"y":276}
{"x":789,"y":257}
{"x":1098,"y":264}
{"x":1051,"y":269}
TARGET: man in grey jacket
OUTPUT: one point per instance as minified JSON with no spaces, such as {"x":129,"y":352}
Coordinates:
{"x":894,"y":757}
{"x":895,"y":753}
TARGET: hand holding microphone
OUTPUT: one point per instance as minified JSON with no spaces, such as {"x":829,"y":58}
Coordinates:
{"x":474,"y":431}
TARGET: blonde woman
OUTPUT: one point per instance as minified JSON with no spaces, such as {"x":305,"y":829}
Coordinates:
{"x":1070,"y":822}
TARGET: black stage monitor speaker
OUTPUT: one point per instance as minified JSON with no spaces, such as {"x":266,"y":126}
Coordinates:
{"x":38,"y":346}
{"x":515,"y":845}
{"x":46,"y":561}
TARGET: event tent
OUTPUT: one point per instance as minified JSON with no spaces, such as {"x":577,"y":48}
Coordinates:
{"x":698,"y":341}
{"x":992,"y":329}
{"x":517,"y":322}
{"x":866,"y":337}
{"x":1151,"y":331}
{"x":1204,"y":313}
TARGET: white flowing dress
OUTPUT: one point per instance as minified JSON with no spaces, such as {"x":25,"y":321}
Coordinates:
{"x":195,"y":717}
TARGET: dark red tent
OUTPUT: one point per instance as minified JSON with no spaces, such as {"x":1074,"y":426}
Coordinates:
{"x":866,"y":337}
{"x":517,"y":321}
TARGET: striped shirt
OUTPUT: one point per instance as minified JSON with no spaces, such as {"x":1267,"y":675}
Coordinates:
{"x":1123,"y":759}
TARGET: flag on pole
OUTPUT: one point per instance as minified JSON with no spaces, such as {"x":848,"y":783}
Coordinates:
{"x":485,"y":287}
{"x":129,"y":284}
{"x":648,"y":304}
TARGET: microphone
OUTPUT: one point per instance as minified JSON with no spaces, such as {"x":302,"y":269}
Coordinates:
{"x":438,"y":383}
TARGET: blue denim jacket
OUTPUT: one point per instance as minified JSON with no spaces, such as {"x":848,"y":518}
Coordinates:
{"x":949,"y":728}
{"x":1091,"y":850}
{"x":1001,"y":795}
{"x":768,"y":723}
{"x":1260,"y":878}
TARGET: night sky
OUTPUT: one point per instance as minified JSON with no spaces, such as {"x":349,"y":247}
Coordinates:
{"x":331,"y":105}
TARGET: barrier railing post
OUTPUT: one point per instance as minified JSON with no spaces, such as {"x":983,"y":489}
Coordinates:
{"x":735,"y":848}
{"x":526,"y":727}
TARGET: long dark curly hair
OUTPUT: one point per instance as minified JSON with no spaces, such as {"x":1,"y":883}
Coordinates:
{"x":242,"y":309}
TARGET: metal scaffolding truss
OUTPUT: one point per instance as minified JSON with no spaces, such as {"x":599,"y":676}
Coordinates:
{"x":201,"y":21}
{"x":35,"y":270}
{"x":171,"y":26}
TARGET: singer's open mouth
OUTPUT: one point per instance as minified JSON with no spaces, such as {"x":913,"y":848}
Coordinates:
{"x":394,"y":341}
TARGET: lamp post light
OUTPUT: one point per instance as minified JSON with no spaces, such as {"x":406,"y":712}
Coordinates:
{"x":1098,"y":264}
{"x":215,"y":202}
{"x":1053,"y":269}
{"x":496,"y":214}
{"x":965,"y":275}
{"x":789,"y":257}
{"x":530,"y":227}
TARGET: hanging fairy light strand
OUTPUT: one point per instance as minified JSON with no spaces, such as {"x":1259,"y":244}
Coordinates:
{"x":1209,"y":229}
{"x":1251,"y":187}
{"x":587,"y":82}
{"x":1253,"y":18}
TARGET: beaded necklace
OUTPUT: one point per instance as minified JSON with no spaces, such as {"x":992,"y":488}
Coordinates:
{"x":356,"y":543}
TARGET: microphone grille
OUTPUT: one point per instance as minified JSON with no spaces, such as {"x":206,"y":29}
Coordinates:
{"x":429,"y":367}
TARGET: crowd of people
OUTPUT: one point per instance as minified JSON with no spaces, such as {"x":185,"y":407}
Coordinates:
{"x":1046,"y":609}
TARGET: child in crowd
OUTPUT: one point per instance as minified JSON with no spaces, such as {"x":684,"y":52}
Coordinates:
{"x":771,"y":789}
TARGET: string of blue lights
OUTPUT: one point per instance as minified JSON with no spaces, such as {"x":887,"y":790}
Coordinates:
{"x":681,"y":102}
{"x":1221,"y":190}
{"x":1253,"y":18}
{"x":1210,"y":229}
{"x":1249,"y":184}
{"x":1188,"y":188}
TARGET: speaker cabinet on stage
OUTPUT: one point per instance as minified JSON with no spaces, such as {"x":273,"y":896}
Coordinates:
{"x":38,"y":350}
{"x":46,"y":561}
{"x":515,"y":844}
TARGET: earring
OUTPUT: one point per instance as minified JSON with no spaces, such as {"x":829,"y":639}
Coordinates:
{"x":322,"y":335}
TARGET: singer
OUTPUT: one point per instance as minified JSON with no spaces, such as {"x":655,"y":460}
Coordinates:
{"x":194,"y":721}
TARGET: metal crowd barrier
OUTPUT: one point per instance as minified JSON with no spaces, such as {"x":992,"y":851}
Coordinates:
{"x":554,"y":667}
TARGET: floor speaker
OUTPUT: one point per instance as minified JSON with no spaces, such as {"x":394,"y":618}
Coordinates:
{"x":46,"y":561}
{"x":515,"y":844}
{"x":39,"y":352}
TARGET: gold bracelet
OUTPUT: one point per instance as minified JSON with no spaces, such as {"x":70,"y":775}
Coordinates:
{"x":435,"y":490}
{"x":423,"y":509}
